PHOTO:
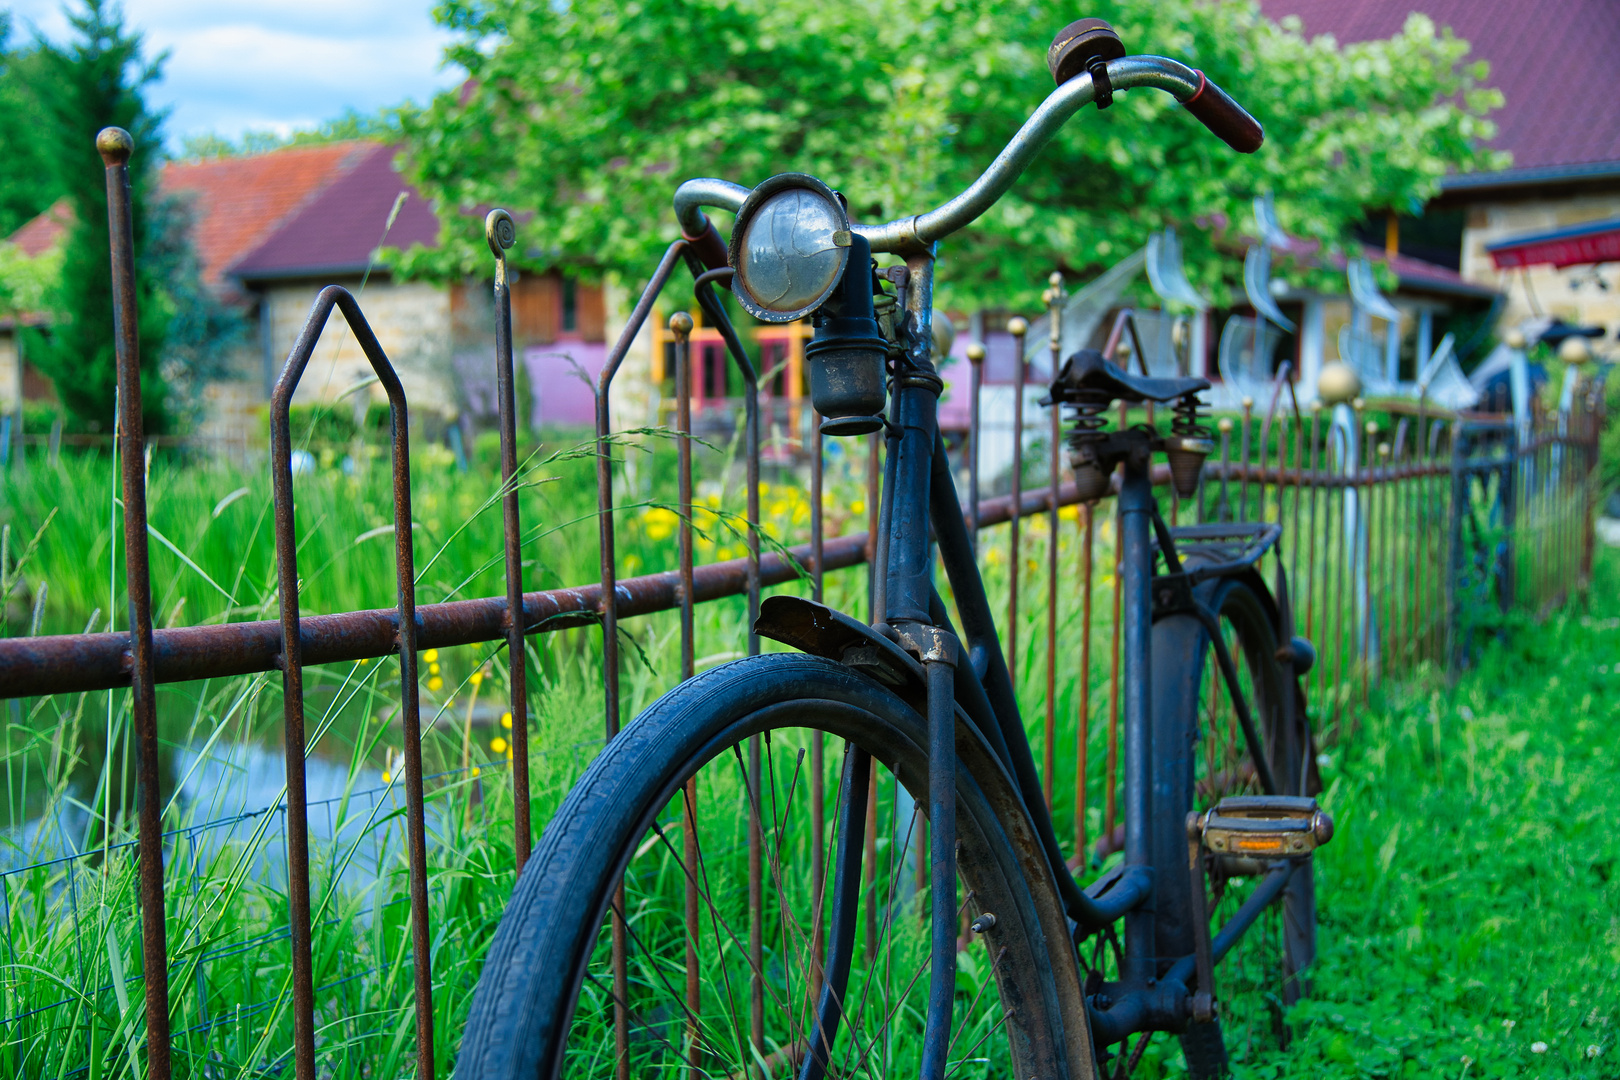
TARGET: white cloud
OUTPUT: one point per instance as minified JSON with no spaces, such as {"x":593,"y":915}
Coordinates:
{"x":275,"y":64}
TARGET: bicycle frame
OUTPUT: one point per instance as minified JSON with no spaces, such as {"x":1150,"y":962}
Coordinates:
{"x":918,"y":493}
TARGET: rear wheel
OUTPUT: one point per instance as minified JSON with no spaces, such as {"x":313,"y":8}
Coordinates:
{"x":717,"y":983}
{"x":1208,"y":756}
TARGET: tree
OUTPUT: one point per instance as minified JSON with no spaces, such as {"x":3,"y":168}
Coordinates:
{"x":94,"y":81}
{"x":27,"y":185}
{"x":588,"y":113}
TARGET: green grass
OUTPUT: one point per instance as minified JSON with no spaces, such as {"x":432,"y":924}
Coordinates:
{"x":1470,"y":900}
{"x":1434,"y":927}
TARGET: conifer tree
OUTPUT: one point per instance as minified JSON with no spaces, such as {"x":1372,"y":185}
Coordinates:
{"x":94,"y":81}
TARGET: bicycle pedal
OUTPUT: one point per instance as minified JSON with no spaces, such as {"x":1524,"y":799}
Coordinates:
{"x":1265,"y":827}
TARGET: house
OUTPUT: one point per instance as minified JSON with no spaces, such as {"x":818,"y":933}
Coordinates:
{"x":1551,"y":60}
{"x":271,"y":230}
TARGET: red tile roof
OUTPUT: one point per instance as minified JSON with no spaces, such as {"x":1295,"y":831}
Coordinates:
{"x":45,"y":230}
{"x":305,"y":210}
{"x":238,"y":202}
{"x":1555,"y":61}
{"x":339,"y":229}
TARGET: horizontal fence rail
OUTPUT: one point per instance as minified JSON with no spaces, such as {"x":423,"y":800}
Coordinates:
{"x":1403,"y":533}
{"x":72,"y":663}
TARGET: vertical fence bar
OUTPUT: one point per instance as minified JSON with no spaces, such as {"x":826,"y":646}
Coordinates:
{"x":501,"y":233}
{"x":604,"y":484}
{"x":1366,"y":526}
{"x":1420,"y":532}
{"x":1017,"y":327}
{"x":286,"y":544}
{"x":1243,"y":459}
{"x":680,"y":325}
{"x":1311,"y":583}
{"x":1055,"y":475}
{"x":115,"y":146}
{"x":1110,"y":804}
{"x":1083,"y":712}
{"x":975,"y":355}
{"x":715,"y":312}
{"x":1435,"y":490}
{"x":608,"y":566}
{"x":874,"y":509}
{"x":1382,"y":561}
{"x":1344,"y":454}
{"x":1299,"y":494}
{"x":818,"y":749}
{"x":878,"y":500}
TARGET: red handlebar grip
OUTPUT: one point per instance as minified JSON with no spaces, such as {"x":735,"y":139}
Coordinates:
{"x":1217,"y":111}
{"x":709,"y":248}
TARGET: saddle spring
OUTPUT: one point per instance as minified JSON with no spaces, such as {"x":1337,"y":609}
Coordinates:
{"x":1189,"y":443}
{"x":1088,"y":406}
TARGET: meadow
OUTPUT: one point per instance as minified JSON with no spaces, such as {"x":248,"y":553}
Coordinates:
{"x":1468,"y":908}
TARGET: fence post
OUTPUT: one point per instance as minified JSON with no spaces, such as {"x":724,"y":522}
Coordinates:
{"x":501,"y":233}
{"x":115,"y":146}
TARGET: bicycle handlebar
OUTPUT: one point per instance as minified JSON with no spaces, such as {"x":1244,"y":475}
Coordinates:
{"x":1209,"y":103}
{"x":1230,"y":122}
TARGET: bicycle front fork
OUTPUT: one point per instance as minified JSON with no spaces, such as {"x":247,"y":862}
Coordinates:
{"x":939,"y":652}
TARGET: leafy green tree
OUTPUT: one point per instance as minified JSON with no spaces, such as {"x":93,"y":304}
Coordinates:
{"x":94,"y":81}
{"x":27,"y":184}
{"x":588,"y":113}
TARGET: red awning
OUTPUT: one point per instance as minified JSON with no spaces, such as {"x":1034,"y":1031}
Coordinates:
{"x":1577,"y":245}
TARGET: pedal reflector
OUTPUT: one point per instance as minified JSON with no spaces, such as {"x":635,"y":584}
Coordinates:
{"x":1265,"y":827}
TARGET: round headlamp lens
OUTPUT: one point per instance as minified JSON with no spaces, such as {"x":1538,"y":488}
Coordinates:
{"x":788,"y":260}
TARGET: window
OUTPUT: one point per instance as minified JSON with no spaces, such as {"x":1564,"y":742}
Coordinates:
{"x":570,"y":306}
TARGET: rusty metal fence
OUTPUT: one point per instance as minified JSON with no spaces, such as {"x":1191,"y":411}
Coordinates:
{"x":1406,"y":535}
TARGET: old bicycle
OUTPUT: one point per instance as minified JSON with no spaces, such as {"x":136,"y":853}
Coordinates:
{"x":629,"y":945}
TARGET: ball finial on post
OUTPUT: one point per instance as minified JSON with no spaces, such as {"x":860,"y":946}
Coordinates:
{"x":975,"y":353}
{"x":681,"y":323}
{"x":1017,"y":326}
{"x":115,"y":145}
{"x":1337,"y":383}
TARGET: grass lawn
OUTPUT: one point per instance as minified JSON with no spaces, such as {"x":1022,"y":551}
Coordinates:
{"x":1470,"y":907}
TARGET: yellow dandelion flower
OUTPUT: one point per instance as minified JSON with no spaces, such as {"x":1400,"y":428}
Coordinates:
{"x":858,"y":506}
{"x":433,"y":669}
{"x":476,"y":677}
{"x":435,"y":683}
{"x":388,"y":778}
{"x":364,"y":661}
{"x":506,"y":720}
{"x":660,"y":522}
{"x":508,"y":753}
{"x":476,"y":771}
{"x":498,"y":744}
{"x":431,"y":655}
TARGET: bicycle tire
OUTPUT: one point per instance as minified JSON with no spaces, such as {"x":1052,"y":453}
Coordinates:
{"x":1185,"y":667}
{"x":526,"y":997}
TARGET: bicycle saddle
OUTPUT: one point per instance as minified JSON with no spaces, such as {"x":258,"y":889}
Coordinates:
{"x":1088,"y":370}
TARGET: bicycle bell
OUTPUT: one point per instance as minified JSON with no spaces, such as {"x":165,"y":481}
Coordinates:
{"x":795,"y":255}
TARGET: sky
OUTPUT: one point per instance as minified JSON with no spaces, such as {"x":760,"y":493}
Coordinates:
{"x":239,"y":65}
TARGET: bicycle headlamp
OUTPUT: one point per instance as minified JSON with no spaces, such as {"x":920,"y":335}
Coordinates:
{"x":789,"y":246}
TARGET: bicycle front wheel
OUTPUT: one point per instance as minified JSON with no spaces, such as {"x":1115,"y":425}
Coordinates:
{"x":715,"y":982}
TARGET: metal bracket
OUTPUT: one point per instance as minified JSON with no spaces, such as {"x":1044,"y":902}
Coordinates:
{"x":929,"y":644}
{"x":1172,"y":595}
{"x":821,"y":631}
